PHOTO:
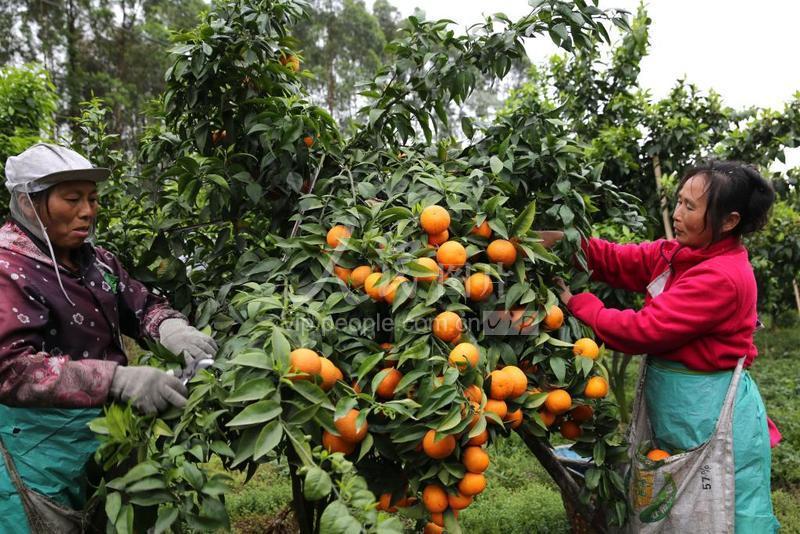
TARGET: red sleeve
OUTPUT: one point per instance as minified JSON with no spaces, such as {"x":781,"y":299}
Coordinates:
{"x":141,"y":310}
{"x":628,"y":266}
{"x":30,"y":377}
{"x":693,"y":306}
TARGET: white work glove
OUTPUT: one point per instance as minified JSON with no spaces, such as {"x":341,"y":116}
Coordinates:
{"x":178,"y":337}
{"x":150,"y":390}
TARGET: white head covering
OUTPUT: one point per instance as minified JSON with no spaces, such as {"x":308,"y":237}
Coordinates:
{"x":38,"y":168}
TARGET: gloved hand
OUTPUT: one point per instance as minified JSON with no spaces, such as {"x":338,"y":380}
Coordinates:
{"x":150,"y":390}
{"x":179,"y":337}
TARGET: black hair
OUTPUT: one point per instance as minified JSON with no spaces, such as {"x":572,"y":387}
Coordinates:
{"x":733,"y":186}
{"x":42,"y":200}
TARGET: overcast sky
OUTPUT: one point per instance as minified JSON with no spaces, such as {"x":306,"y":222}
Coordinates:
{"x":747,"y":51}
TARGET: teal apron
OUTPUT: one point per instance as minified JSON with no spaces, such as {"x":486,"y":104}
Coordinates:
{"x":683,"y":407}
{"x":50,"y":448}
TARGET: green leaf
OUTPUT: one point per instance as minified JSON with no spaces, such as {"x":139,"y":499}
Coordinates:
{"x":166,"y":517}
{"x":495,"y":164}
{"x":317,"y":484}
{"x":280,"y":349}
{"x":559,"y":367}
{"x":313,"y":393}
{"x":268,"y":439}
{"x":336,"y":519}
{"x":524,"y":221}
{"x":252,"y":390}
{"x":258,"y":412}
{"x":252,"y":358}
{"x":113,"y":506}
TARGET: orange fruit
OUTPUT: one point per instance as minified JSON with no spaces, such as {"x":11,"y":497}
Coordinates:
{"x":596,"y":388}
{"x":385,"y":503}
{"x":434,"y":497}
{"x":304,"y":361}
{"x":554,"y":318}
{"x":372,"y":288}
{"x":514,"y":419}
{"x":336,"y":234}
{"x":518,"y":379}
{"x":558,"y":401}
{"x":502,"y":251}
{"x":342,"y":273}
{"x":657,"y":455}
{"x":434,"y":220}
{"x":438,"y":447}
{"x":447,"y":326}
{"x":346,"y":426}
{"x":547,"y":418}
{"x":385,"y":389}
{"x":390,"y":291}
{"x":431,"y":265}
{"x":587,"y":348}
{"x":502,"y":385}
{"x":475,"y":459}
{"x":472,"y":484}
{"x":483,"y":230}
{"x":432,"y":528}
{"x":478,"y":287}
{"x":291,"y":61}
{"x":473,"y":393}
{"x":582,"y":413}
{"x":451,"y":255}
{"x":479,"y":440}
{"x":386,"y":346}
{"x":498,"y":407}
{"x":329,"y":373}
{"x":437,"y":239}
{"x":437,"y":519}
{"x":571,"y":430}
{"x":359,"y":275}
{"x":309,"y":141}
{"x":334,"y":443}
{"x":458,"y":501}
{"x":518,"y":319}
{"x":464,"y":356}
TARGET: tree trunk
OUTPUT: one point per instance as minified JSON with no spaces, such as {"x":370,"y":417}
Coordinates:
{"x":583,"y":518}
{"x":303,"y":510}
{"x":619,"y":366}
{"x":796,"y":295}
{"x":662,"y":199}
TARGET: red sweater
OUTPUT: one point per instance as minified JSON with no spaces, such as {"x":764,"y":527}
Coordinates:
{"x":705,"y":316}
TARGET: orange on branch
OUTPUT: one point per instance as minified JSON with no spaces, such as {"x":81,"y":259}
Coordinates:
{"x":372,"y":288}
{"x":342,"y":273}
{"x":390,"y":292}
{"x":582,"y":413}
{"x":478,"y":287}
{"x":472,"y":484}
{"x":359,"y":275}
{"x":329,"y":373}
{"x":473,"y":393}
{"x":386,"y":387}
{"x":434,"y":220}
{"x":433,"y":528}
{"x":434,"y":497}
{"x":483,"y":230}
{"x":437,"y":239}
{"x":451,"y":255}
{"x":596,"y":388}
{"x":309,"y":141}
{"x":502,"y":385}
{"x":334,"y":443}
{"x":447,"y":326}
{"x":558,"y":401}
{"x":554,"y":318}
{"x":497,"y":407}
{"x":514,"y":419}
{"x":479,"y":440}
{"x":548,"y":418}
{"x":336,"y":234}
{"x":464,"y":356}
{"x":519,"y":381}
{"x":587,"y":348}
{"x":438,"y":446}
{"x":458,"y":501}
{"x":502,"y":251}
{"x":306,"y":362}
{"x":346,"y":426}
{"x":475,"y":459}
{"x":571,"y":430}
{"x":431,"y":265}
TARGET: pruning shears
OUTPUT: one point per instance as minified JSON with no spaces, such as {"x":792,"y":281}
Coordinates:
{"x":186,"y":374}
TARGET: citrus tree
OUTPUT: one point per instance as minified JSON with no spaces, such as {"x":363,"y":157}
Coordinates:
{"x":384,"y":300}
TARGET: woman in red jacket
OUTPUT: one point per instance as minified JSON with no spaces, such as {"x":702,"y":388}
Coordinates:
{"x":698,"y":319}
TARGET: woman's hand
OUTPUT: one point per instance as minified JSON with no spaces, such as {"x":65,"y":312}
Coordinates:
{"x":563,"y":290}
{"x":550,"y":237}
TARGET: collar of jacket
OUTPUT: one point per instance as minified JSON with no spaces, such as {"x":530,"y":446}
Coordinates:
{"x":681,"y":257}
{"x":16,"y":238}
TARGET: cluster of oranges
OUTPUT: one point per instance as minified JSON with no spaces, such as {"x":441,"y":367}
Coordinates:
{"x":504,"y":390}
